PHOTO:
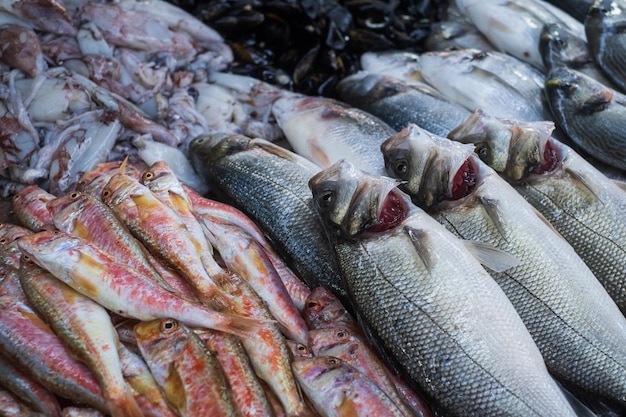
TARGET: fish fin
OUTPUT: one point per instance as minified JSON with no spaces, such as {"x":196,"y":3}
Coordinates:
{"x":124,"y":405}
{"x":491,"y":257}
{"x":122,"y":168}
{"x":347,"y":407}
{"x":621,"y":184}
{"x":246,"y":327}
{"x":580,"y":409}
{"x":491,"y":207}
{"x":583,"y":181}
{"x":418,"y":238}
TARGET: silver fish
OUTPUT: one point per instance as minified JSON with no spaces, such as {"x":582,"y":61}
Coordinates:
{"x":443,"y":335}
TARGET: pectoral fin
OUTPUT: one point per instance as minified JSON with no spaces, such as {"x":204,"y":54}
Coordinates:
{"x":491,"y":257}
{"x":420,"y":241}
{"x":491,"y":207}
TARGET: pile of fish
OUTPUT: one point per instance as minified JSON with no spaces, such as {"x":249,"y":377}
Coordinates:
{"x":439,"y":233}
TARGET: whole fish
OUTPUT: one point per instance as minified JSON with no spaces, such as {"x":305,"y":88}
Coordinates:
{"x":120,"y":289}
{"x":559,"y":46}
{"x":440,"y":333}
{"x":189,"y":374}
{"x":566,"y":189}
{"x":257,"y":175}
{"x":399,"y":103}
{"x":324,"y":130}
{"x":94,"y":180}
{"x":28,"y":341}
{"x":29,"y":207}
{"x":604,"y":25}
{"x":591,"y":114}
{"x":85,"y":327}
{"x":463,"y":193}
{"x":514,"y":26}
{"x":338,"y":389}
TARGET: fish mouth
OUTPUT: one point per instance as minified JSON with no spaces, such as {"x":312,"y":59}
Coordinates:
{"x":392,"y":211}
{"x":551,"y":159}
{"x":464,"y":181}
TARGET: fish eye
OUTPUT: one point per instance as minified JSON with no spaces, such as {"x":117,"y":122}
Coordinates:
{"x":341,"y":334}
{"x":147,"y":176}
{"x":326,"y":199}
{"x":3,"y":241}
{"x":106,"y":193}
{"x":483,"y":152}
{"x":401,"y":167}
{"x":332,"y":361}
{"x":75,"y":195}
{"x":16,"y":197}
{"x":301,"y":348}
{"x":200,"y":139}
{"x":168,"y":326}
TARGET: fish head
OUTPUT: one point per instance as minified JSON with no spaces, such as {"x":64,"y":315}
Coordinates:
{"x":10,"y":232}
{"x":398,"y":64}
{"x":120,"y":188}
{"x":299,"y":350}
{"x":432,"y":168}
{"x":209,"y":148}
{"x":322,"y":308}
{"x":323,"y":340}
{"x":352,"y":202}
{"x":32,"y":194}
{"x":315,"y":371}
{"x":570,"y":91}
{"x":93,"y":181}
{"x":149,"y":334}
{"x":65,"y":208}
{"x":159,"y":177}
{"x":357,"y":86}
{"x":601,"y":13}
{"x":558,"y":45}
{"x":48,"y":244}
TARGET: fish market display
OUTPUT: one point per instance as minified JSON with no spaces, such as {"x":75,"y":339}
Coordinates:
{"x":555,"y":293}
{"x":453,"y":346}
{"x":567,"y":190}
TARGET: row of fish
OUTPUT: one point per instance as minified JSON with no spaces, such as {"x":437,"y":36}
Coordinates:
{"x":109,"y":300}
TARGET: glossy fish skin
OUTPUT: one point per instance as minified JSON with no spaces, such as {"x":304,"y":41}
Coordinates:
{"x":29,"y":206}
{"x":164,"y":234}
{"x":85,"y":327}
{"x":591,"y":114}
{"x":120,"y":289}
{"x":576,"y":8}
{"x":189,"y":374}
{"x":399,"y":103}
{"x":559,"y":46}
{"x":604,"y":27}
{"x":445,"y":340}
{"x":557,"y":296}
{"x":31,"y":392}
{"x":257,"y":175}
{"x":337,"y":389}
{"x":566,"y":189}
{"x":247,"y":390}
{"x":28,"y":341}
{"x":324,"y":130}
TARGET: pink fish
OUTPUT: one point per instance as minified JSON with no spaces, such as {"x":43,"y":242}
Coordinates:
{"x":30,"y":208}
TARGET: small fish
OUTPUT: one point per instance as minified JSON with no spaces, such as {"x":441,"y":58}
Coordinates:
{"x":591,"y":114}
{"x":120,"y":289}
{"x":324,"y":310}
{"x":85,"y":327}
{"x":336,"y":389}
{"x":29,"y":207}
{"x":189,"y":374}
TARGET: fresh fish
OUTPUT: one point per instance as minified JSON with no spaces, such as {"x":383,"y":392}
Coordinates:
{"x":202,"y":207}
{"x":299,"y":350}
{"x":29,"y":207}
{"x":85,"y":327}
{"x":165,"y":235}
{"x":493,"y":81}
{"x":120,"y":289}
{"x":247,"y":390}
{"x":576,"y":8}
{"x":10,"y":254}
{"x":324,"y":310}
{"x":566,"y":189}
{"x":12,"y":406}
{"x":337,"y":389}
{"x":189,"y":374}
{"x":575,"y":324}
{"x":514,"y":26}
{"x":353,"y":350}
{"x":399,"y":103}
{"x":31,"y":392}
{"x":147,"y":391}
{"x":591,"y":114}
{"x":604,"y":25}
{"x":448,"y":342}
{"x":324,"y":130}
{"x":94,"y":180}
{"x":28,"y":341}
{"x":559,"y":46}
{"x":258,"y":175}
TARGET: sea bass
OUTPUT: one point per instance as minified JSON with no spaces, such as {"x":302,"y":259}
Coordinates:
{"x":577,"y":327}
{"x":449,"y":342}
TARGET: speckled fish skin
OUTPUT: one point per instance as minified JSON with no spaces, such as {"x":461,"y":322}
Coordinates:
{"x":247,"y":390}
{"x":577,"y":327}
{"x":93,"y":181}
{"x":147,"y":391}
{"x":28,"y":341}
{"x":441,"y":334}
{"x":570,"y":194}
{"x":258,"y":175}
{"x":336,"y":389}
{"x":189,"y":374}
{"x":120,"y":289}
{"x":604,"y":27}
{"x":591,"y":114}
{"x":13,"y":406}
{"x":85,"y":327}
{"x":165,"y":235}
{"x":559,"y":46}
{"x":324,"y":130}
{"x":29,"y":207}
{"x":298,"y":291}
{"x":353,"y":350}
{"x":398,"y":103}
{"x":30,"y":391}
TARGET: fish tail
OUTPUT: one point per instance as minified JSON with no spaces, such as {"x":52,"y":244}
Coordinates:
{"x":124,"y":404}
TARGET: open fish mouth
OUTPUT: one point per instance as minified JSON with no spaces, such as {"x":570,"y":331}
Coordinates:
{"x":392,"y":211}
{"x":464,"y":180}
{"x":551,"y":159}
